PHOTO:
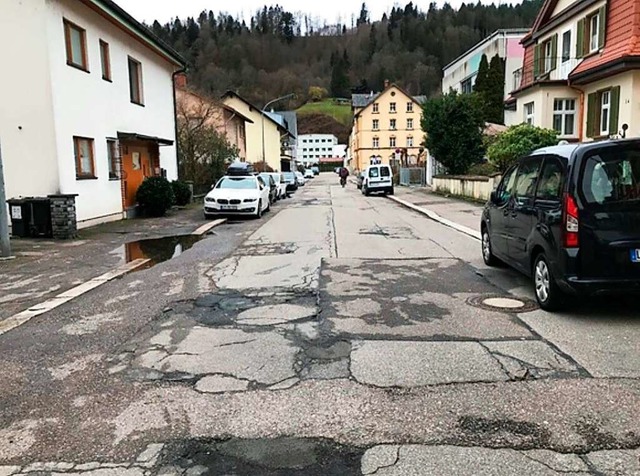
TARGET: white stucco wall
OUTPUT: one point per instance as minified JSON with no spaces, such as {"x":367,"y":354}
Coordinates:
{"x":86,"y":105}
{"x":26,"y":108}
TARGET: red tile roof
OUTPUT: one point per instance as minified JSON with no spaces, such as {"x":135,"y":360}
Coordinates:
{"x":622,"y":37}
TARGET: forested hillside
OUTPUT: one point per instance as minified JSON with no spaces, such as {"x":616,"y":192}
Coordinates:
{"x":280,"y":52}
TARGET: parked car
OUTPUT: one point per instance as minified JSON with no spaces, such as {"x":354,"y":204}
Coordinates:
{"x":281,"y":183}
{"x":271,"y":183}
{"x":377,"y":179}
{"x":316,"y":169}
{"x":291,"y":181}
{"x":237,"y":195}
{"x":359,"y":180}
{"x":240,"y":168}
{"x":569,"y":217}
{"x":308,"y":174}
{"x":301,"y":180}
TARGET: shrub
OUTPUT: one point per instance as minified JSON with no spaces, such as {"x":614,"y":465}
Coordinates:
{"x":485,"y":169}
{"x":155,"y":194}
{"x":518,"y":141}
{"x":181,"y":192}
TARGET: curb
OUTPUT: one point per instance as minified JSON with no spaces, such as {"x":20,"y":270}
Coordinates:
{"x":434,"y":216}
{"x":25,"y":316}
{"x":208,"y":226}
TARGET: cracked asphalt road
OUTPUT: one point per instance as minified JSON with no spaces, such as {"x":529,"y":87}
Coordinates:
{"x":337,"y":336}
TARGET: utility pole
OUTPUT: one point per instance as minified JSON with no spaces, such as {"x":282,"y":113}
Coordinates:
{"x":5,"y":244}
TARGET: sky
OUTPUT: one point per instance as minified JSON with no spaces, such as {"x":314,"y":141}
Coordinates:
{"x":331,"y":10}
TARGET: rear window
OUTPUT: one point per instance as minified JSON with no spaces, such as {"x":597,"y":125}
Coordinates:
{"x":611,"y":176}
{"x":385,"y":172}
{"x":374,"y":172}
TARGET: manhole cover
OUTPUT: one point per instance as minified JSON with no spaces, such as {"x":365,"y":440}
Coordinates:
{"x":503,"y":303}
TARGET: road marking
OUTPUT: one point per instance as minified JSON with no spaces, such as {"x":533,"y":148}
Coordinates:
{"x":434,"y":216}
{"x":25,"y":316}
{"x":208,"y":226}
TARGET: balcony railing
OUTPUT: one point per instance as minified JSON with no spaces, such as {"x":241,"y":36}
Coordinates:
{"x":563,"y":66}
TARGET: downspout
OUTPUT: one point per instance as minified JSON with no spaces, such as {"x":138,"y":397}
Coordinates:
{"x":580,"y":114}
{"x":175,"y":115}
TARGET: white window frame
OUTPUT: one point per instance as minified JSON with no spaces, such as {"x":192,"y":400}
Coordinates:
{"x":564,"y":43}
{"x":392,"y":142}
{"x":410,"y":141}
{"x":409,"y":106}
{"x":376,"y":142}
{"x":605,"y":106}
{"x":376,"y":124}
{"x":548,"y":58}
{"x":594,"y":32}
{"x":564,"y":111}
{"x":392,"y":107}
{"x":393,"y":124}
{"x":376,"y":107}
{"x":529,"y":115}
{"x":410,"y":124}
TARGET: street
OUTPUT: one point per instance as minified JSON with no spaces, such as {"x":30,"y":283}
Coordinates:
{"x":339,"y":335}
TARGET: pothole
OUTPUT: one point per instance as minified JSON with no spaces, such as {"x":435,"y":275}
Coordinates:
{"x":157,"y":250}
{"x":268,"y":457}
{"x":502,"y":303}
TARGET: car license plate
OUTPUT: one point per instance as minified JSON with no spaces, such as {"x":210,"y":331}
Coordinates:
{"x":635,"y":256}
{"x":228,"y":207}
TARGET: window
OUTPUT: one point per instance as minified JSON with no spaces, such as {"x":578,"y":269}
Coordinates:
{"x":112,"y":159}
{"x":392,"y":107}
{"x":566,"y":46}
{"x":409,"y":141}
{"x":392,"y":124}
{"x":605,"y":109}
{"x":527,"y":178}
{"x":375,"y":107}
{"x":548,"y":56}
{"x":105,"y":60}
{"x":392,"y":141}
{"x":550,"y":184}
{"x":612,"y":176}
{"x":528,"y":113}
{"x":76,"y":45}
{"x":594,"y":29}
{"x":83,"y":151}
{"x":410,"y":124}
{"x":376,"y":142}
{"x":376,"y":124}
{"x":466,"y":86}
{"x":506,"y":188}
{"x":135,"y":82}
{"x":409,"y":107}
{"x":564,"y":114}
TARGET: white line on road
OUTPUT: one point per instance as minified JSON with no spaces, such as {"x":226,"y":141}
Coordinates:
{"x":434,"y":216}
{"x":25,"y":316}
{"x":208,"y":226}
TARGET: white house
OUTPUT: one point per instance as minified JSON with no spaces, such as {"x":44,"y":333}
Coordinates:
{"x":313,"y":147}
{"x":87,"y":104}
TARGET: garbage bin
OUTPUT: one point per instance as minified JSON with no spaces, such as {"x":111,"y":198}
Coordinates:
{"x":40,"y":224}
{"x":20,"y":212}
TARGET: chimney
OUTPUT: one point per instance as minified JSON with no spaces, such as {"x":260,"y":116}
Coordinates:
{"x":181,"y":81}
{"x":386,"y":83}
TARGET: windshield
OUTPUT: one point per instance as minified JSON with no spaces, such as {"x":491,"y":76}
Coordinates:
{"x":237,"y":183}
{"x":266,"y":178}
{"x":612,"y":176}
{"x":288,"y":175}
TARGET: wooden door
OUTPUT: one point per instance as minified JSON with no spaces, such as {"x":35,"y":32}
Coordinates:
{"x":136,"y":166}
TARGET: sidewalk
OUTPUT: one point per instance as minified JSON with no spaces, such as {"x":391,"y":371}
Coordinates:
{"x":453,"y":211}
{"x":45,"y":268}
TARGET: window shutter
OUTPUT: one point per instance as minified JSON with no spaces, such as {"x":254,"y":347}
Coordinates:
{"x":580,"y":38}
{"x":554,"y":51}
{"x":536,"y":61}
{"x":592,"y":103}
{"x":615,"y":110}
{"x":602,"y":26}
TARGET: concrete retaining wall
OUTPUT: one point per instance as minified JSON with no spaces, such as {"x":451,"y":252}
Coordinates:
{"x":471,"y":186}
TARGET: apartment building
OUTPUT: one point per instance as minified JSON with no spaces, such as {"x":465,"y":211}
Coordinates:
{"x":313,"y":147}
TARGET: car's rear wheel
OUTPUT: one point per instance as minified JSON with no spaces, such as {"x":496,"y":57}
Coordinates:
{"x":548,"y":294}
{"x":366,"y":191}
{"x":487,"y":249}
{"x":391,"y":191}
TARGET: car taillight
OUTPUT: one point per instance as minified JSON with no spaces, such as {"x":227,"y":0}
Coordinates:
{"x":571,"y":222}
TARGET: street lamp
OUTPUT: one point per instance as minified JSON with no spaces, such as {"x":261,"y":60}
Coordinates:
{"x":264,"y":158}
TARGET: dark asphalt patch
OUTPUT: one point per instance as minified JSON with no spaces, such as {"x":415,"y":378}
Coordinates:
{"x":479,"y":431}
{"x":276,"y":457}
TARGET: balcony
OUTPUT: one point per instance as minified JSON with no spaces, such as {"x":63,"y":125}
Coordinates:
{"x":563,"y":66}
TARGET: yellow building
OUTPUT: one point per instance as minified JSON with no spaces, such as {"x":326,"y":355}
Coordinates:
{"x":386,"y":127}
{"x":273,"y":132}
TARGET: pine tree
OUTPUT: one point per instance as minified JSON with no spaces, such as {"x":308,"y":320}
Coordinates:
{"x":482,"y":77}
{"x":494,"y":94}
{"x":364,"y":15}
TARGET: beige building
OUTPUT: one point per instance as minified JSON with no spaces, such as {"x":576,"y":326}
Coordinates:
{"x":581,"y":70}
{"x":274,"y":133}
{"x":386,"y":128}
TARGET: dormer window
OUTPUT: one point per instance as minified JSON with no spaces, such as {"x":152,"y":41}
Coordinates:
{"x":591,"y":33}
{"x":594,"y":28}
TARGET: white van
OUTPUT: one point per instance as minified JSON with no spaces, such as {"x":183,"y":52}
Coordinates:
{"x":377,"y":178}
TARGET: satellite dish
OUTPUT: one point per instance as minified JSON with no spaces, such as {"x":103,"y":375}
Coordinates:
{"x":563,"y":142}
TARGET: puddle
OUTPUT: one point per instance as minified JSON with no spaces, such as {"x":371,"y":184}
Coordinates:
{"x":276,"y":457}
{"x":157,"y":250}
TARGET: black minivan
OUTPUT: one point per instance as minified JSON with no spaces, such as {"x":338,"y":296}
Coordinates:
{"x":569,"y":217}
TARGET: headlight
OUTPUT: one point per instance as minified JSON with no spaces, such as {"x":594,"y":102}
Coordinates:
{"x":249,"y":200}
{"x":210,"y":200}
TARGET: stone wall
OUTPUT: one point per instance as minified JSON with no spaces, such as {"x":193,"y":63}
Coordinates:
{"x":475,"y":187}
{"x":63,"y":216}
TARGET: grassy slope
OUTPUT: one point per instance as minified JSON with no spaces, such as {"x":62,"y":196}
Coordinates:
{"x":340,"y":112}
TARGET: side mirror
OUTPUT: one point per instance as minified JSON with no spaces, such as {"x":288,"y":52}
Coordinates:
{"x":494,"y":197}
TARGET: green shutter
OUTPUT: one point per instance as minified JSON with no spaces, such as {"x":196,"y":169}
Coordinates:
{"x":615,"y":110}
{"x":554,"y":51}
{"x":602,"y":26}
{"x":536,"y":62}
{"x":592,"y":112}
{"x":580,"y":38}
